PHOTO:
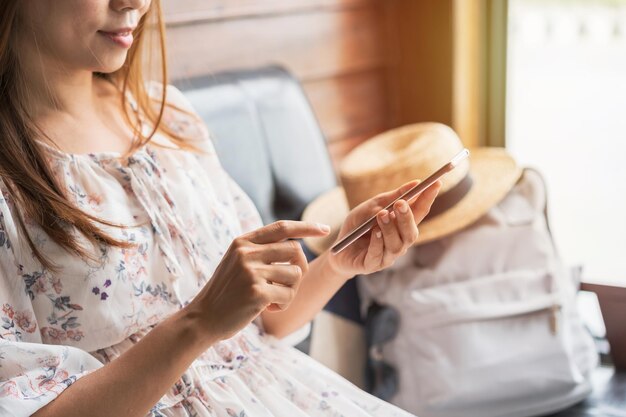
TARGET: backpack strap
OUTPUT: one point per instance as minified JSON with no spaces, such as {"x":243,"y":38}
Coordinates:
{"x":539,"y":199}
{"x":538,"y":195}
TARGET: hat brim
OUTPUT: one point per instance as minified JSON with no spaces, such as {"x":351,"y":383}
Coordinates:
{"x":494,"y":173}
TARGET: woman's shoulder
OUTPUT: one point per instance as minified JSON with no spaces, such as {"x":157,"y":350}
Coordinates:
{"x":173,"y":96}
{"x":179,"y":115}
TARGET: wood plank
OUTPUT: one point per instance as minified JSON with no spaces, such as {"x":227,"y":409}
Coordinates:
{"x":184,"y":11}
{"x":312,"y":45}
{"x":350,"y":105}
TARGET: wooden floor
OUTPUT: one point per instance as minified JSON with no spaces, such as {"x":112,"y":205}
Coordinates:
{"x":608,"y":398}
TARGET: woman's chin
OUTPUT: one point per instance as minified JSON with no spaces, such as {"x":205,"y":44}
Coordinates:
{"x":110,"y":65}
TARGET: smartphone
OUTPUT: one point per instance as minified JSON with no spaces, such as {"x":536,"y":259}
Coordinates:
{"x":361,"y":230}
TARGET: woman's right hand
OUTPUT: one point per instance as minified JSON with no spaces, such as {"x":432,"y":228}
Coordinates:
{"x":261,"y":270}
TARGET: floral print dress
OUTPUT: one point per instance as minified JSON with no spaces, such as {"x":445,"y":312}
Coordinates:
{"x":182,"y":212}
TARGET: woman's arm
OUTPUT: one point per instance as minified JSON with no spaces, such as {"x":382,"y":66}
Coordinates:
{"x":133,"y":383}
{"x":242,"y":286}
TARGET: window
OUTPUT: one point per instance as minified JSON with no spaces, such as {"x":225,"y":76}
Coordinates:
{"x":566,"y":115}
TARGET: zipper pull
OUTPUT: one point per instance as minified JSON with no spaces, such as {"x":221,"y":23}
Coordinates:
{"x":554,"y":319}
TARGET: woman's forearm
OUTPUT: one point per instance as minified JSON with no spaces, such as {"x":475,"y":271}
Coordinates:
{"x":132,"y":384}
{"x":319,"y":284}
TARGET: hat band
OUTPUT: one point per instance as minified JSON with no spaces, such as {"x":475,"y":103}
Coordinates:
{"x":450,"y":198}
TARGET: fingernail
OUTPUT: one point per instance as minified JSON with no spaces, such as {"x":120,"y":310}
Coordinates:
{"x":379,"y":234}
{"x":323,"y":227}
{"x":403,"y":206}
{"x":385,"y":218}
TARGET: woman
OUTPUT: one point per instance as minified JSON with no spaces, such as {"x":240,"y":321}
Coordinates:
{"x":135,"y":276}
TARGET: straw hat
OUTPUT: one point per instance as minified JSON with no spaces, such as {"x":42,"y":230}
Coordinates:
{"x":415,"y":151}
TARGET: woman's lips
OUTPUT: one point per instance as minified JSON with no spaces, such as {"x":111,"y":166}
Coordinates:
{"x":123,"y":39}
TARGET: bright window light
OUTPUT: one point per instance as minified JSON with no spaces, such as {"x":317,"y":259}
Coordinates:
{"x":566,"y":116}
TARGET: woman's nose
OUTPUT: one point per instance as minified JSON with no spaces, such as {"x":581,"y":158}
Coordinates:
{"x":122,"y":5}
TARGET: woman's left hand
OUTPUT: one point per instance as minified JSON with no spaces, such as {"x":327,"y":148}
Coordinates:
{"x":390,"y":238}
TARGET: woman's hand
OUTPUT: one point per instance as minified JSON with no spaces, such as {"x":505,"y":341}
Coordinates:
{"x":261,"y":270}
{"x":394,"y":233}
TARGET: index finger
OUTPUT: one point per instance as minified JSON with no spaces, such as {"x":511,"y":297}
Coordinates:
{"x":287,"y":229}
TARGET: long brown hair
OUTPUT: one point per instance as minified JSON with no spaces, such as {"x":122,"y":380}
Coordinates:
{"x":25,"y":170}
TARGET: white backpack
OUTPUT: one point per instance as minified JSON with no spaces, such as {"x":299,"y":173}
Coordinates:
{"x":488,"y":325}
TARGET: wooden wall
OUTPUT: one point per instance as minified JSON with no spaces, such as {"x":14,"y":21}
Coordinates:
{"x":366,"y":65}
{"x":336,"y":48}
{"x":421,"y":68}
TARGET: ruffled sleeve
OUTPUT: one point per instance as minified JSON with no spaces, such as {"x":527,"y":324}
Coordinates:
{"x":31,"y":374}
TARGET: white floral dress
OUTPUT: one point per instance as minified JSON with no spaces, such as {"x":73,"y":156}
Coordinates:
{"x":184,"y":211}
